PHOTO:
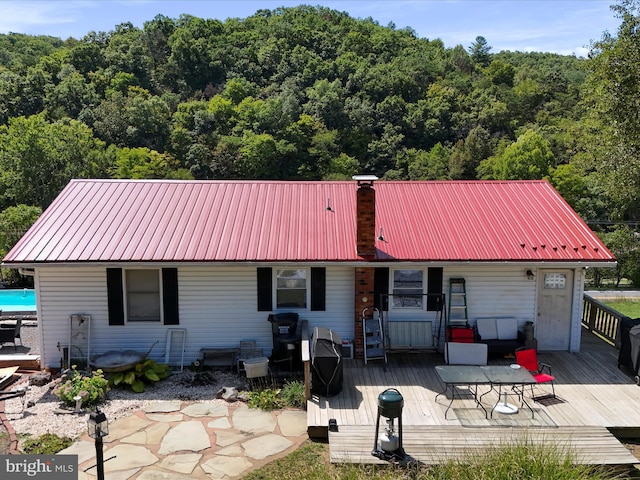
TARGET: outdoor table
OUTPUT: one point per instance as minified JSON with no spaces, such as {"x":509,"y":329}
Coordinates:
{"x":513,"y":376}
{"x":453,"y":376}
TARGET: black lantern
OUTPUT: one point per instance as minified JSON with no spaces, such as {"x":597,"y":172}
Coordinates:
{"x":98,"y":427}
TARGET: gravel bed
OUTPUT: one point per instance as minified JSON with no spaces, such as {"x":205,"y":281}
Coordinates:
{"x":40,"y":411}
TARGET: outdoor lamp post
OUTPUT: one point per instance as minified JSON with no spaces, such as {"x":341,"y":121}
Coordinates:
{"x":98,"y":427}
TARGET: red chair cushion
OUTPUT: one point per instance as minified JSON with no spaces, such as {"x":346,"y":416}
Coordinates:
{"x":543,"y":377}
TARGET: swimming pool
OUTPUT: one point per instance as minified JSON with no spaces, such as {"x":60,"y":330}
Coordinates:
{"x":17,"y":300}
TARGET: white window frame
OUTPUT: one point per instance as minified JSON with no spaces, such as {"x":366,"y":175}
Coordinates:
{"x":125,"y":287}
{"x":307,"y":272}
{"x":392,"y":288}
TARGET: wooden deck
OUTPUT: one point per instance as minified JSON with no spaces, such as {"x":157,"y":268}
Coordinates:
{"x":595,"y":400}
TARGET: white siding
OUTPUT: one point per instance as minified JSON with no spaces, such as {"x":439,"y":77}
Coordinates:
{"x":217,"y":307}
{"x":61,"y":293}
{"x":495,"y":291}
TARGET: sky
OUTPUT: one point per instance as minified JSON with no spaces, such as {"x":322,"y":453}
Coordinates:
{"x":566,"y":27}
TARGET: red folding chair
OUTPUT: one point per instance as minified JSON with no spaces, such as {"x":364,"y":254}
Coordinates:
{"x":528,"y":358}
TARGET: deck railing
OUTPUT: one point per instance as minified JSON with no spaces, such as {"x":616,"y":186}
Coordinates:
{"x":600,"y":319}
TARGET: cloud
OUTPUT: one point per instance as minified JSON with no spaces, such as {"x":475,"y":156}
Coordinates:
{"x":26,"y":17}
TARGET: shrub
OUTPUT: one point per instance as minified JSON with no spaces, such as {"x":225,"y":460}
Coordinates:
{"x":92,"y":388}
{"x":266,"y":399}
{"x":46,"y":444}
{"x":292,"y":394}
{"x":144,"y":372}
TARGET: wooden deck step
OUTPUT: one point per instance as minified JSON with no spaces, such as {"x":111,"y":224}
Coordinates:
{"x":437,"y":444}
{"x":24,"y":361}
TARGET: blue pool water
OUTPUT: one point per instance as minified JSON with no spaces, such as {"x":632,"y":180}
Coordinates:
{"x":19,"y":300}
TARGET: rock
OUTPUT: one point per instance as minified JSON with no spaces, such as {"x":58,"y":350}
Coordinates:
{"x":40,"y":379}
{"x":230,"y":394}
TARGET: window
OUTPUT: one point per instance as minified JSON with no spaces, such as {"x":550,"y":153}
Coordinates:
{"x":142,"y":294}
{"x":291,"y":288}
{"x":407,"y":288}
{"x":311,"y":288}
{"x":118,"y":294}
{"x":555,"y":280}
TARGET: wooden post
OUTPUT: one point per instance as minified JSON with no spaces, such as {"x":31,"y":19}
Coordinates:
{"x":306,"y":358}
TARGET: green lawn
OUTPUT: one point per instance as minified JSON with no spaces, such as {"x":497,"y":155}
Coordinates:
{"x":626,"y":306}
{"x":519,"y":461}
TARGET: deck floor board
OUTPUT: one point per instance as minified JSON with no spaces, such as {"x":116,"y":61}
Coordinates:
{"x":438,"y":444}
{"x":592,"y":393}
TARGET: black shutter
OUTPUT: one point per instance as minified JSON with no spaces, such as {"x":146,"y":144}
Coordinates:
{"x":170,"y":296}
{"x":115,"y":298}
{"x":318,"y":288}
{"x":434,"y":289}
{"x":265,"y":298}
{"x":381,"y":287}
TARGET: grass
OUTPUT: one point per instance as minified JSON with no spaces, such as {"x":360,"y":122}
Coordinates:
{"x":46,"y":444}
{"x":626,"y":306}
{"x":518,"y":461}
{"x":4,"y":442}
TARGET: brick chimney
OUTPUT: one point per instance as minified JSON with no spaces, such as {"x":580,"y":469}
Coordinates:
{"x":366,"y":215}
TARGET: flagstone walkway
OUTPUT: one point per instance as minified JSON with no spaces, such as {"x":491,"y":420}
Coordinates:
{"x":209,"y":440}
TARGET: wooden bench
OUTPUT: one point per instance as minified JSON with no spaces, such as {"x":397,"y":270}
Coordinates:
{"x":219,"y":357}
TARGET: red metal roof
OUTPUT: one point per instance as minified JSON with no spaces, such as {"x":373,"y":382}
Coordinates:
{"x":239,"y":221}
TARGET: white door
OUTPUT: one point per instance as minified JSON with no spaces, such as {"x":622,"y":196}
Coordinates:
{"x":555,"y":297}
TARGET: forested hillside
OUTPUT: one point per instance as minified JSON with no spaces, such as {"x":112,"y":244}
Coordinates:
{"x":311,"y":93}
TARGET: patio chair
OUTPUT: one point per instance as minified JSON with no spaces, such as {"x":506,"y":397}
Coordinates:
{"x":9,"y":333}
{"x":528,"y":358}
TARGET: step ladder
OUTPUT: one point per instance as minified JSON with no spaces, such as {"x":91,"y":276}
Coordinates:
{"x":458,"y":314}
{"x":374,"y":348}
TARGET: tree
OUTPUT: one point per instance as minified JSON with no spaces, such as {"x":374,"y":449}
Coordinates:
{"x":461,"y":59}
{"x":432,"y":165}
{"x":326,"y":103}
{"x":466,"y":155}
{"x":38,"y":158}
{"x":501,"y":72}
{"x":143,"y":163}
{"x":529,"y":158}
{"x":479,"y":51}
{"x":343,"y":167}
{"x":318,"y":94}
{"x":137,"y":119}
{"x":14,"y":222}
{"x":612,"y":95}
{"x":69,"y":97}
{"x":624,"y":243}
{"x":193,"y":52}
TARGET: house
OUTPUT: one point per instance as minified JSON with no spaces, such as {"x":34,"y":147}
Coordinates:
{"x":213,"y":259}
